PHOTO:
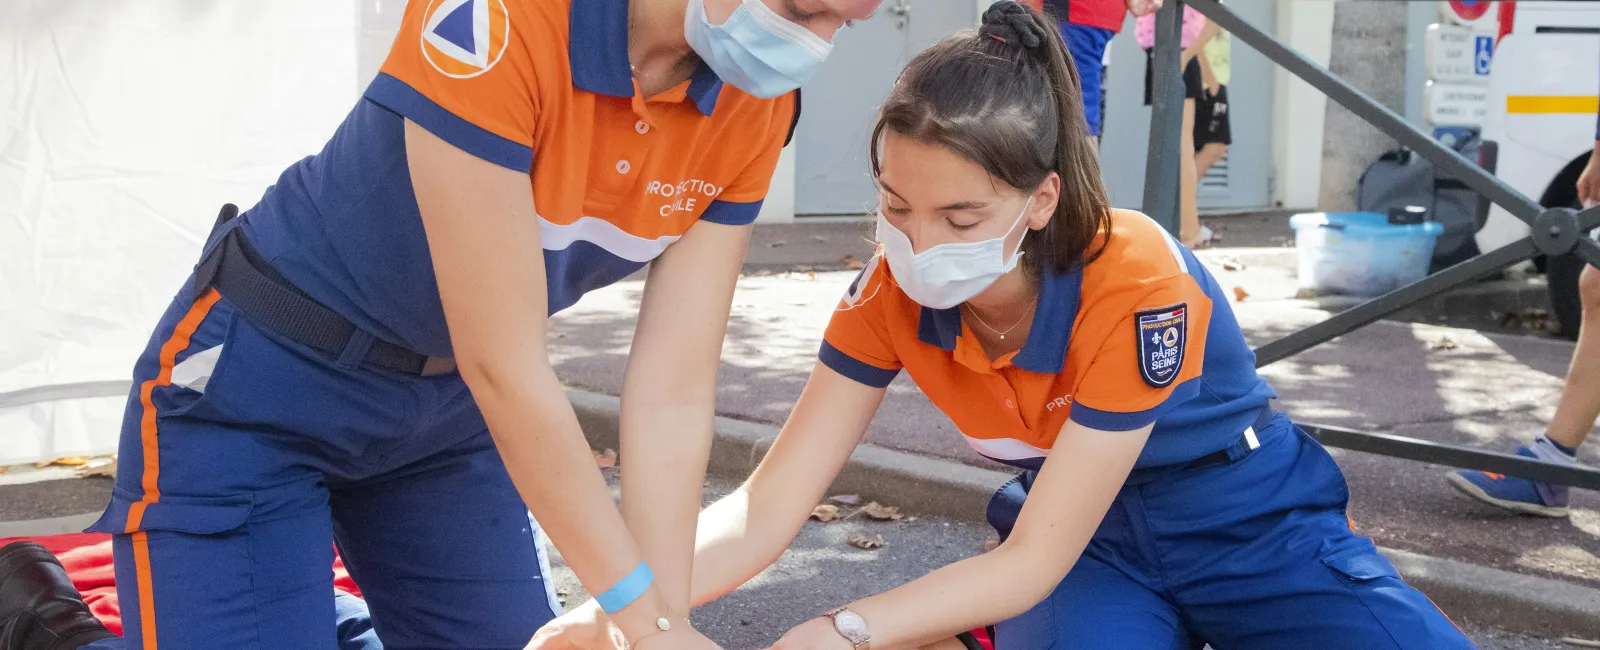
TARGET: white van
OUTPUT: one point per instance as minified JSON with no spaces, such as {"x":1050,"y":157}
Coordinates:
{"x":1544,"y":93}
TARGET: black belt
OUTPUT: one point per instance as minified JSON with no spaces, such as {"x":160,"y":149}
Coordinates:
{"x":1246,"y":443}
{"x":269,"y":300}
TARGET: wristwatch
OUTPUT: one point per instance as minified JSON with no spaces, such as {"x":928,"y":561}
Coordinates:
{"x":852,"y":627}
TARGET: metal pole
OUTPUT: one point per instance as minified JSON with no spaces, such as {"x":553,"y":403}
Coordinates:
{"x":1441,"y":454}
{"x":1346,"y":321}
{"x":1360,"y":315}
{"x":1163,"y":166}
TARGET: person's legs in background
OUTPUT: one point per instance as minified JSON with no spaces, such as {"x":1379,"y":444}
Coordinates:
{"x":1189,"y":230}
{"x":1575,"y":417}
{"x":1212,"y":130}
{"x":1580,"y":401}
{"x":1188,"y":187}
{"x":1207,"y":156}
{"x":1087,"y":45}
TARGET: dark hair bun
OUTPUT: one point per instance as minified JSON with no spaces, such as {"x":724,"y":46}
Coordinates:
{"x":1013,"y":23}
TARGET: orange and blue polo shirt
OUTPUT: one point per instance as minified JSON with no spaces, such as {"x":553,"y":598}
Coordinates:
{"x":538,"y":87}
{"x":1141,"y":335}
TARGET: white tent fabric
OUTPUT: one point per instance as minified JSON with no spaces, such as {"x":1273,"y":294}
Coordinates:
{"x":124,"y":126}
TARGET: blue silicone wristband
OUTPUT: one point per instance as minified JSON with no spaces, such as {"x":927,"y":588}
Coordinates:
{"x":627,"y":590}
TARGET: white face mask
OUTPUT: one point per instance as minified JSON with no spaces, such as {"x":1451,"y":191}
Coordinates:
{"x":947,"y":275}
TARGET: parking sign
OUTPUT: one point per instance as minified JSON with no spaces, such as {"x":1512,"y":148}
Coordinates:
{"x":1483,"y":55}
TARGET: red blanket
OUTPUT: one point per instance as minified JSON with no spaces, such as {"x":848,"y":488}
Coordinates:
{"x":87,"y":558}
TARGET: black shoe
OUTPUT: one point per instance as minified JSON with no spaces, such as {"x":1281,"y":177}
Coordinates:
{"x":39,"y":608}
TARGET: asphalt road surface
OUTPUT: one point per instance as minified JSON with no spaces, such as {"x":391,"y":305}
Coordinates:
{"x":821,"y":571}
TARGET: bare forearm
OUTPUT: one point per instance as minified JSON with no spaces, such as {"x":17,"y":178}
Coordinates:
{"x":669,"y":397}
{"x":664,"y":451}
{"x":1068,"y":499}
{"x":733,"y":544}
{"x":538,"y":437}
{"x":971,"y":593}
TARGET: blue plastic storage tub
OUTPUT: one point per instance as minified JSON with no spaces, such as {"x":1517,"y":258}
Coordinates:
{"x":1361,"y":253}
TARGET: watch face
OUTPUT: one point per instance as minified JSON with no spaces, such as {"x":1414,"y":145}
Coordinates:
{"x":850,"y":625}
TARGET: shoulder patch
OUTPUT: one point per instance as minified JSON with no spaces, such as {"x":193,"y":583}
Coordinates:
{"x":1162,"y":335}
{"x":464,"y":38}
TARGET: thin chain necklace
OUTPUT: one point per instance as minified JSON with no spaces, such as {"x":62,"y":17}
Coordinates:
{"x":991,"y":328}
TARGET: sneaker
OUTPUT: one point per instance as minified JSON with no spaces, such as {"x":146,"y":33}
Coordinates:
{"x":1512,"y":493}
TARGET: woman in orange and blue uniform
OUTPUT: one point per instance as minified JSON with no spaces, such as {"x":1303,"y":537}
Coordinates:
{"x":1164,"y":503}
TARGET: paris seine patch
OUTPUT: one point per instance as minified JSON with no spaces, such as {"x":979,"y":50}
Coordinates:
{"x":1162,"y":334}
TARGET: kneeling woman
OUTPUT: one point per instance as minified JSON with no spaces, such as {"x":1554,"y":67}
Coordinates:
{"x":1164,"y":503}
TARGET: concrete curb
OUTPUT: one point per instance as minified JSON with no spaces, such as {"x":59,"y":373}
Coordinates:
{"x":1511,"y":601}
{"x":48,"y":526}
{"x":1468,"y":592}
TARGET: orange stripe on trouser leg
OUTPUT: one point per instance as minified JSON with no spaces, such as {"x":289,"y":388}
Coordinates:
{"x":178,"y":342}
{"x":147,"y":589}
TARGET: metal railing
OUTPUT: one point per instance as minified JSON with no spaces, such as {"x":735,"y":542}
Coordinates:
{"x":1555,"y":231}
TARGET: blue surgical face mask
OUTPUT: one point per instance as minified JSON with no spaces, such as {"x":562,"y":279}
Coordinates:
{"x":755,"y":49}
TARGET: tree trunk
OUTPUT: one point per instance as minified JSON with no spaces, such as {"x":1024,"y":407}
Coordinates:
{"x":1369,"y":52}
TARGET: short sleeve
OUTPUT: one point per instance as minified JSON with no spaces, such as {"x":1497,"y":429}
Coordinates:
{"x":1146,"y":363}
{"x":740,"y":202}
{"x":464,"y":70}
{"x":857,"y":342}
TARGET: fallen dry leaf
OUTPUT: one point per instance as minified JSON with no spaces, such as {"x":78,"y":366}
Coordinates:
{"x":1232,"y":264}
{"x":882,"y":512}
{"x":825,"y":513}
{"x":811,"y":275}
{"x":847,"y":499}
{"x":108,"y":471}
{"x":606,"y":459}
{"x":1305,"y":293}
{"x":1536,"y":319}
{"x":1444,"y":343}
{"x":1239,"y":294}
{"x":850,"y":262}
{"x":108,"y":468}
{"x":861,"y":541}
{"x":3,"y":468}
{"x":65,"y":461}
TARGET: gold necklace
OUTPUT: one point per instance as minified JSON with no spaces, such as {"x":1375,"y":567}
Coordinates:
{"x":989,"y":327}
